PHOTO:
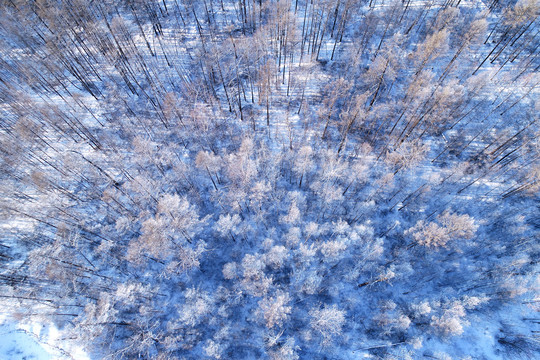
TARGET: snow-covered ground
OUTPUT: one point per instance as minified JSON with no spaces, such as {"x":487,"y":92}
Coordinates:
{"x":18,"y":344}
{"x":34,"y":341}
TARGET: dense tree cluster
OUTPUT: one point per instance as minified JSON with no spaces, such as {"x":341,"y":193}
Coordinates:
{"x":307,"y":179}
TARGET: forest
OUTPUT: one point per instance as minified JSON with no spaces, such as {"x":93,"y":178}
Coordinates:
{"x":271,"y":179}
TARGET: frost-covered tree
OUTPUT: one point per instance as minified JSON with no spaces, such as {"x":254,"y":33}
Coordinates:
{"x":327,"y":322}
{"x":275,"y":310}
{"x":227,"y":225}
{"x":287,"y":351}
{"x":449,"y":226}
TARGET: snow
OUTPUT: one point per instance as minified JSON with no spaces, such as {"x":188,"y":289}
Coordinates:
{"x":34,"y":341}
{"x":16,"y":343}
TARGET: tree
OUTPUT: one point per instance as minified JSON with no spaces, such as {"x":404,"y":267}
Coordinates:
{"x":228,"y":225}
{"x":175,"y":219}
{"x":230,"y":270}
{"x":287,"y":351}
{"x":333,"y":250}
{"x":293,"y":215}
{"x":241,"y":168}
{"x":407,"y":156}
{"x":276,"y":256}
{"x":335,"y":91}
{"x":327,"y":322}
{"x":213,"y":349}
{"x":452,"y":320}
{"x":274,"y":310}
{"x":449,"y":226}
{"x":435,"y":45}
{"x":303,"y":162}
{"x":211,"y":163}
{"x":476,"y":29}
{"x":198,"y":305}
